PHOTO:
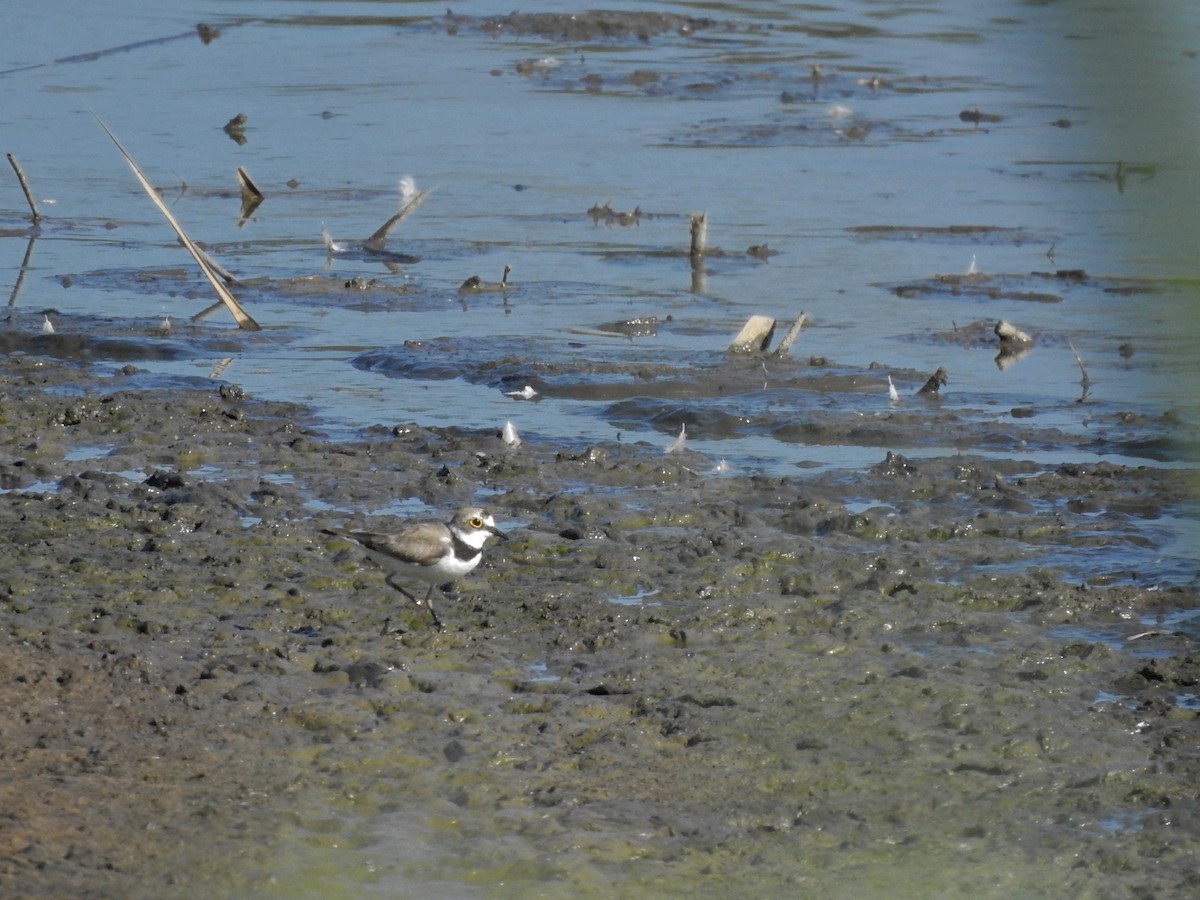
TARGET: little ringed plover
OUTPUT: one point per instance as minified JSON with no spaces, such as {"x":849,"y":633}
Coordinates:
{"x":433,"y":552}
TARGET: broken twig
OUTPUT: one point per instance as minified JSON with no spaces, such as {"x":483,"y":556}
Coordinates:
{"x":411,"y":198}
{"x":12,"y":161}
{"x":1085,"y":382}
{"x":790,"y":338}
{"x":476,"y":285}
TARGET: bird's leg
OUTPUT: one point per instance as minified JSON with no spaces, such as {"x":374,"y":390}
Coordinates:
{"x":437,"y":623}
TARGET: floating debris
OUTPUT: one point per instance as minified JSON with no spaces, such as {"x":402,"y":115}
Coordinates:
{"x":236,"y":128}
{"x":252,"y":197}
{"x":331,"y":246}
{"x":680,"y":443}
{"x":1085,"y":382}
{"x":698,"y":224}
{"x":509,"y":435}
{"x":610,"y":216}
{"x":581,"y":26}
{"x":1015,"y":344}
{"x":207,"y":33}
{"x":410,"y":199}
{"x":476,"y":285}
{"x":640,"y":326}
{"x":936,"y":381}
{"x":532,"y":65}
{"x":975,"y":116}
{"x":1011,"y":334}
{"x":754,"y":337}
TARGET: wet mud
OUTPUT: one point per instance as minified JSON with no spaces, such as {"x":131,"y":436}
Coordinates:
{"x":840,"y":684}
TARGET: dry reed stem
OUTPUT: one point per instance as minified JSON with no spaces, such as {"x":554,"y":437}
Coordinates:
{"x":210,"y":270}
{"x":248,"y":186}
{"x":12,"y":161}
{"x":375,"y":242}
{"x":1085,"y":382}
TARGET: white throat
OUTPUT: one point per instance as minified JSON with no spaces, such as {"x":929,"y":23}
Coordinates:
{"x":477,"y":538}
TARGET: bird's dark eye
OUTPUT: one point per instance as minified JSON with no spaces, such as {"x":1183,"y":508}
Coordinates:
{"x":476,"y":522}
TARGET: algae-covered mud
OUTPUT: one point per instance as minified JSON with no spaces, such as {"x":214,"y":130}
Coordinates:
{"x":908,"y":610}
{"x":666,"y":678}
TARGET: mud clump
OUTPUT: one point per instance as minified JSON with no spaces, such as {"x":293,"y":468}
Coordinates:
{"x":594,"y":25}
{"x":666,"y":677}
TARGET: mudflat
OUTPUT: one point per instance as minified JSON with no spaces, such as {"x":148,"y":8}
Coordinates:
{"x":670,"y":678}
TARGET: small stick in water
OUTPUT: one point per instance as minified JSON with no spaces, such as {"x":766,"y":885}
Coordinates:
{"x":12,"y":161}
{"x":410,"y":199}
{"x":1085,"y":381}
{"x":699,"y":229}
{"x":792,"y":333}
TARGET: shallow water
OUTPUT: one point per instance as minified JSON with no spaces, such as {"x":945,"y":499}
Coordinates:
{"x":729,"y":121}
{"x":876,"y":196}
{"x":855,"y":185}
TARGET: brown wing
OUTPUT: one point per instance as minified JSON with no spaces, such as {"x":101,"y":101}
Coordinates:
{"x":421,"y":544}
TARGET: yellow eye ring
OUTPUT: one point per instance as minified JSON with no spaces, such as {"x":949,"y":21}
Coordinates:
{"x":476,"y":522}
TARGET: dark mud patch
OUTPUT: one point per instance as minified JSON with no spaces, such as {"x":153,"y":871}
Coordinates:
{"x":88,"y":339}
{"x":810,"y":401}
{"x":955,"y":233}
{"x":1033,"y":287}
{"x":81,"y":346}
{"x":831,"y":684}
{"x":590,"y":25}
{"x":751,"y":58}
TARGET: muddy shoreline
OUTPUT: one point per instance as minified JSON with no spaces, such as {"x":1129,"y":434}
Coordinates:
{"x":667,"y":680}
